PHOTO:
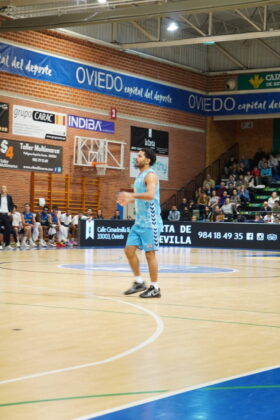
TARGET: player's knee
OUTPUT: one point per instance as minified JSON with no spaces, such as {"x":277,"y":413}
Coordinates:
{"x":129,"y":251}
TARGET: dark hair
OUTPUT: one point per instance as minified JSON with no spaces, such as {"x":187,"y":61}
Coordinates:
{"x":150,"y":154}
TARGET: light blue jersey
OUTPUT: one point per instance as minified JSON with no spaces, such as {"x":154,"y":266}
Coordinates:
{"x":147,"y":211}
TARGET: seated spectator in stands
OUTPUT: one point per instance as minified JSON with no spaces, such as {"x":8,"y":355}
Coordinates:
{"x":243,"y":194}
{"x":241,"y":170}
{"x":228,"y":210}
{"x":206,"y":215}
{"x":229,"y":164}
{"x":186,"y":215}
{"x":207,"y":190}
{"x":197,"y":193}
{"x":208,"y":180}
{"x":43,"y":218}
{"x":265,"y":209}
{"x":16,"y":225}
{"x":266,"y":174}
{"x":174,"y":214}
{"x":262,"y":162}
{"x":214,"y":199}
{"x":240,"y":218}
{"x":235,"y":199}
{"x":276,"y":208}
{"x":276,"y":220}
{"x":233,"y":169}
{"x":54,"y":226}
{"x":28,"y":223}
{"x":217,"y":215}
{"x":249,"y":180}
{"x":182,"y":205}
{"x":116,"y":216}
{"x":274,"y":197}
{"x":231,"y":181}
{"x":256,"y":173}
{"x":273,"y":163}
{"x":268,"y":218}
{"x":260,"y":153}
{"x":202,"y":202}
{"x":246,"y":163}
{"x":221,"y":189}
{"x":258,"y":218}
{"x":99,"y":214}
{"x":89,"y":214}
{"x":241,"y":181}
{"x":223,"y":198}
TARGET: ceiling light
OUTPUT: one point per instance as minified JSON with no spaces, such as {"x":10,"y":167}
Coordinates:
{"x":173,"y":26}
{"x":209,"y":43}
{"x":102,"y":1}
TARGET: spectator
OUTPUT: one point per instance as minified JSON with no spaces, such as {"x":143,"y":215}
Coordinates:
{"x":207,"y":190}
{"x":266,"y":174}
{"x":186,"y":215}
{"x":274,"y":197}
{"x":6,"y":207}
{"x":228,"y":210}
{"x":217,"y":215}
{"x":266,"y":209}
{"x":260,"y":153}
{"x":116,"y":216}
{"x":258,"y":218}
{"x":214,"y":199}
{"x":182,"y":205}
{"x":89,"y":214}
{"x":174,"y":214}
{"x":208,"y":180}
{"x":273,"y":163}
{"x":276,"y":208}
{"x":241,"y":181}
{"x":244,"y":195}
{"x":99,"y":215}
{"x":223,"y":198}
{"x":164,"y":213}
{"x":235,"y":199}
{"x":207,"y":214}
{"x":221,"y":189}
{"x":256,"y":174}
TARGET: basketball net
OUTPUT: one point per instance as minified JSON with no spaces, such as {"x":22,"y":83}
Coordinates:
{"x":100,"y":167}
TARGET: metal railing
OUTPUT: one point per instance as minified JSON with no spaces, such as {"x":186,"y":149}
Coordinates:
{"x":214,"y":169}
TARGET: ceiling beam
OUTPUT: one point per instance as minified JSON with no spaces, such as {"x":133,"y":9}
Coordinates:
{"x":127,"y":13}
{"x":203,"y":40}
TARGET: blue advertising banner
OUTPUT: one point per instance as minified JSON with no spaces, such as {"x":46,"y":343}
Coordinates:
{"x":45,"y":67}
{"x":91,"y":124}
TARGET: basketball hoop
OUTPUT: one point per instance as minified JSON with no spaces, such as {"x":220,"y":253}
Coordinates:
{"x":100,"y":167}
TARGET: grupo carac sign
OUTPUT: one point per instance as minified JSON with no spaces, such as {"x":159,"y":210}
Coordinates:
{"x":43,"y":66}
{"x":110,"y":233}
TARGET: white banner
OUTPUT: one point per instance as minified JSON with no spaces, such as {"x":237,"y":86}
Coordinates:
{"x":90,"y":229}
{"x":160,"y":167}
{"x":39,"y":123}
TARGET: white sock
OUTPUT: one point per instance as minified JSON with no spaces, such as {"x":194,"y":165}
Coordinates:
{"x":139,"y":279}
{"x":155,"y":284}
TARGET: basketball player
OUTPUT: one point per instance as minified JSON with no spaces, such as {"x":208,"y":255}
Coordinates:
{"x":145,"y":232}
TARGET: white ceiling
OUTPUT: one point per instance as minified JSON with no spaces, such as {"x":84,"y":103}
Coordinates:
{"x":244,"y":34}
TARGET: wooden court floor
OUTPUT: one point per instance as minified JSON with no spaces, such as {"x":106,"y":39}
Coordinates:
{"x":72,"y":344}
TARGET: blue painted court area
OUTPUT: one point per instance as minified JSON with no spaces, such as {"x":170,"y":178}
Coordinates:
{"x":179,"y":269}
{"x":251,"y":397}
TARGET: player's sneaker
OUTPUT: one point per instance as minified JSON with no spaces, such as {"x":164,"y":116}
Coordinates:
{"x":135,"y":288}
{"x":152,"y":292}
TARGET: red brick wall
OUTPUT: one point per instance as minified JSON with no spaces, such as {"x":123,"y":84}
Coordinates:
{"x":187,"y":148}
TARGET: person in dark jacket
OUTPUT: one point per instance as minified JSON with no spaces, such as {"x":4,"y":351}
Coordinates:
{"x":6,"y":207}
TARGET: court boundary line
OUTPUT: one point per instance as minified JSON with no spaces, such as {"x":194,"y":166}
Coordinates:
{"x":158,"y":331}
{"x":172,"y":393}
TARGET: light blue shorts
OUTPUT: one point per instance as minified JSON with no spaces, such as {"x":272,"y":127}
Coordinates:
{"x":144,"y":238}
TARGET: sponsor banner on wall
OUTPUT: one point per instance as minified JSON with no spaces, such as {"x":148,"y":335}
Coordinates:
{"x":27,"y":156}
{"x":4,"y":117}
{"x":160,"y":167}
{"x":57,"y":70}
{"x":112,"y":233}
{"x":39,"y":123}
{"x":257,"y":81}
{"x":146,"y":137}
{"x":91,"y":124}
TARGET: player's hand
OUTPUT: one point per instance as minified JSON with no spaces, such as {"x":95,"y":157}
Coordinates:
{"x":124,"y":198}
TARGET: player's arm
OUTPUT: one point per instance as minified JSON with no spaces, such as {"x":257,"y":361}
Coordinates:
{"x":151,"y":184}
